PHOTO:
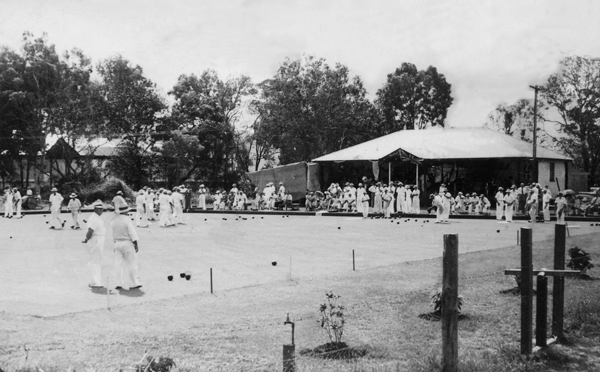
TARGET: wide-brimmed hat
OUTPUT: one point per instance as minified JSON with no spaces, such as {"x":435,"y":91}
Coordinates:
{"x":500,"y":188}
{"x":73,"y":195}
{"x":201,"y":185}
{"x":54,"y":189}
{"x":98,"y":204}
{"x":119,"y":192}
{"x":124,"y":209}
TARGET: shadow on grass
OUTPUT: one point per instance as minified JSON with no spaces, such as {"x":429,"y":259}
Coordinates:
{"x":335,"y":350}
{"x":436,"y":316}
{"x":132,"y":292}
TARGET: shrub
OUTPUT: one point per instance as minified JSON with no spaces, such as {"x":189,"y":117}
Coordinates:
{"x":436,"y":302}
{"x":332,"y":317}
{"x":105,"y":191}
{"x":580,"y":260}
{"x":156,"y":364}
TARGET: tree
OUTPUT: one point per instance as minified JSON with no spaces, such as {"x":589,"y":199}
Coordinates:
{"x":574,"y":92}
{"x":210,"y":109}
{"x":515,"y":120}
{"x":412,"y":99}
{"x":133,"y":111}
{"x":41,"y":94}
{"x":177,"y":158}
{"x":309,"y":109}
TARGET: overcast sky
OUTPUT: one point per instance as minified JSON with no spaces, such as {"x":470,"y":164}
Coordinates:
{"x":490,"y":51}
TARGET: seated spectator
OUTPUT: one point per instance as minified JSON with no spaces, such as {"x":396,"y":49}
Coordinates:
{"x":217,"y":203}
{"x":311,"y":202}
{"x":594,"y":205}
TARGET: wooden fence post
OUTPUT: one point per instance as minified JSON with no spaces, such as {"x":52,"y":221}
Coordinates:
{"x":541,"y":313}
{"x":526,"y":290}
{"x":450,"y":304}
{"x":558,"y":286}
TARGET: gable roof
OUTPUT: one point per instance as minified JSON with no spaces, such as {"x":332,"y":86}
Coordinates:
{"x":444,"y":144}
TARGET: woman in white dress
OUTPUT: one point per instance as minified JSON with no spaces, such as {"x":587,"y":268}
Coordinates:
{"x":416,"y":201}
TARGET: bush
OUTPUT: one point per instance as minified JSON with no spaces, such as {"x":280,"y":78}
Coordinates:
{"x":332,"y":318}
{"x":156,"y":364}
{"x":580,"y":260}
{"x":105,"y":191}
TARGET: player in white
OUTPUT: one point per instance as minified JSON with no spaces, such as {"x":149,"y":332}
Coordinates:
{"x":97,"y":233}
{"x":141,"y":217}
{"x":56,"y":200}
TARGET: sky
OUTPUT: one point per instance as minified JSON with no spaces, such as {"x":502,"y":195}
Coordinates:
{"x":489,"y":51}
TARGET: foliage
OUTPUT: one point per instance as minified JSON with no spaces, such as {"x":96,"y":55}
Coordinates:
{"x":133,"y":111}
{"x":436,"y":302}
{"x":104,"y":191}
{"x":42,"y":93}
{"x":309,"y":109}
{"x":176,"y":158}
{"x":332,"y":317}
{"x":209,"y":109}
{"x":132,"y":164}
{"x":156,"y":364}
{"x":412,"y":99}
{"x":574,"y":92}
{"x":580,"y":260}
{"x":515,"y":120}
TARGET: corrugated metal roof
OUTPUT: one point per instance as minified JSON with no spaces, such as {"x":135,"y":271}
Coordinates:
{"x":440,"y":144}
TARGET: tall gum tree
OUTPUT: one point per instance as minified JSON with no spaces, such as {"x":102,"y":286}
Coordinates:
{"x":574,"y":92}
{"x":309,"y":109}
{"x":412,"y":99}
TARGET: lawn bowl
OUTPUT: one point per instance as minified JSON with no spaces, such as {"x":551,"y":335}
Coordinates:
{"x":274,"y":263}
{"x":170,"y":278}
{"x":188,"y":277}
{"x":182,"y":275}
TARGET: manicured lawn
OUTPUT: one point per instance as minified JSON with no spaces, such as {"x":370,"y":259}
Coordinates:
{"x":47,"y":306}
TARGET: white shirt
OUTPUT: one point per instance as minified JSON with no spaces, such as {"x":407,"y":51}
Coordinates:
{"x":140,"y":200}
{"x":56,"y":199}
{"x":123,"y":229}
{"x":177,"y":199}
{"x":96,"y":223}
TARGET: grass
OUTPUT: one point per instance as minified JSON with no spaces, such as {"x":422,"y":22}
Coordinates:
{"x":242,"y":329}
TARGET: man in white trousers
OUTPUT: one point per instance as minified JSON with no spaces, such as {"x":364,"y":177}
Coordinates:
{"x":178,"y":203}
{"x":150,"y":215}
{"x":439,"y":212}
{"x":401,"y":192}
{"x":96,"y":232}
{"x":8,"y":203}
{"x":18,"y":201}
{"x":510,"y":199}
{"x":126,"y":247}
{"x":499,"y":203}
{"x":202,"y":197}
{"x":56,"y":200}
{"x":141,"y":217}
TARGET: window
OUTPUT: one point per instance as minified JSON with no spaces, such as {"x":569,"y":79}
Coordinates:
{"x":552,"y":177}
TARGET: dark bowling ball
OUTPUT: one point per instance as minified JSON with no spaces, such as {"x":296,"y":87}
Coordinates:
{"x":46,"y":221}
{"x":224,"y":219}
{"x":262,"y":218}
{"x":497,"y":231}
{"x":188,"y":277}
{"x":397,"y":223}
{"x":274,"y":263}
{"x":282,"y":216}
{"x":84,"y":221}
{"x":170,"y":277}
{"x":252,"y":217}
{"x":205,"y":219}
{"x":182,"y":275}
{"x":236,"y":219}
{"x":339,"y":228}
